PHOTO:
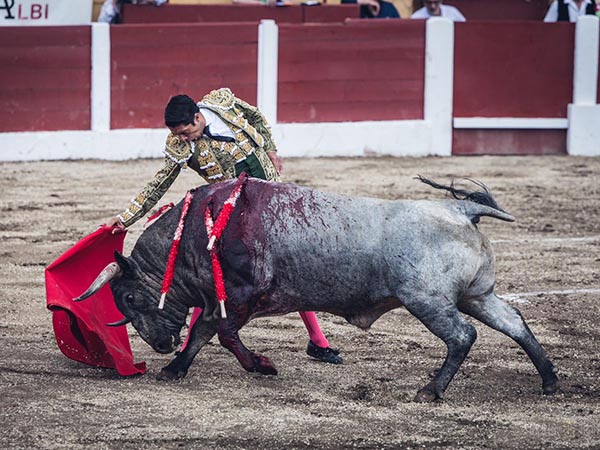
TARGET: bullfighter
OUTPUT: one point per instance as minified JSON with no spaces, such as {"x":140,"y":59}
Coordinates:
{"x":219,"y":137}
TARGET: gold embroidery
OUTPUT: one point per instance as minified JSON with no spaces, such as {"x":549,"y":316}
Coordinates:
{"x":177,"y":150}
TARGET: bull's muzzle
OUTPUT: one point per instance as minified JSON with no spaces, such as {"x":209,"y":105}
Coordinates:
{"x":167,"y":345}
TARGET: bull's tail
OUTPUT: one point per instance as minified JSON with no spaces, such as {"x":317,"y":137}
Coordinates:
{"x":478,"y":203}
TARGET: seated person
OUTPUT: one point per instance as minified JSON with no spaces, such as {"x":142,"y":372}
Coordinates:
{"x":569,"y":10}
{"x":435,"y":8}
{"x":111,"y":9}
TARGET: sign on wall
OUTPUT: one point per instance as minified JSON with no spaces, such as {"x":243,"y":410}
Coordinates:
{"x":45,"y":12}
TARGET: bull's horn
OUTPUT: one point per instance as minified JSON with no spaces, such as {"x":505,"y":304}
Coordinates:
{"x":123,"y":321}
{"x":113,"y":270}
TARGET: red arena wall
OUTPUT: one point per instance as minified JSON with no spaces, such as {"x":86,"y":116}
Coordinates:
{"x":493,"y":79}
{"x":360,"y":70}
{"x":237,"y":13}
{"x":45,"y":78}
{"x":535,"y":81}
{"x":190,"y":59}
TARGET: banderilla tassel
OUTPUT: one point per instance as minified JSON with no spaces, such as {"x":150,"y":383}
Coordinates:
{"x":170,"y":269}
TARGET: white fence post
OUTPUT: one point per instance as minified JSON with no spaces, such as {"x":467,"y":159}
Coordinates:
{"x":583,"y":135}
{"x":268,"y":48}
{"x":100,"y":92}
{"x":439,"y":83}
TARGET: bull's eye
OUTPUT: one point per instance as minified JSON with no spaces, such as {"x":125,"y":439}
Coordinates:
{"x":129,"y":298}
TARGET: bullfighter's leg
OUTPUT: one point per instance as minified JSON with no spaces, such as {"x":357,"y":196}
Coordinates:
{"x":198,"y":336}
{"x":458,"y":335}
{"x":229,"y":338}
{"x":318,"y":346}
{"x":499,"y":315}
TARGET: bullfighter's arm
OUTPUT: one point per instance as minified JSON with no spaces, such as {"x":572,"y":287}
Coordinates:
{"x":151,"y":194}
{"x":258,"y":121}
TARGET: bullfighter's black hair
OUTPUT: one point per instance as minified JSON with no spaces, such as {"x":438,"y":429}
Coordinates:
{"x":180,"y":111}
{"x":482,"y":196}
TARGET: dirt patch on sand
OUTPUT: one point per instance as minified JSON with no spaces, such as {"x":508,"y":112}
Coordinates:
{"x":548,"y":264}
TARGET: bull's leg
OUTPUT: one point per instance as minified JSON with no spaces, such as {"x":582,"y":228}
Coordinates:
{"x":458,"y":335}
{"x":501,"y":316}
{"x":200,"y":334}
{"x":230,"y":339}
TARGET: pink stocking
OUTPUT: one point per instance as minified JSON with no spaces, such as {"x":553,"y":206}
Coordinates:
{"x":196,"y":313}
{"x":308,"y":317}
{"x":314,"y":331}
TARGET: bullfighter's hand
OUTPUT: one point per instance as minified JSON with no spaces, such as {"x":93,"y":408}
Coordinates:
{"x":276,"y":161}
{"x":116,"y":224}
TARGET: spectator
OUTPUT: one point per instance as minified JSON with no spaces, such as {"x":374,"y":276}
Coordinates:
{"x":378,"y":9}
{"x":111,"y":9}
{"x":569,"y":10}
{"x":435,"y":8}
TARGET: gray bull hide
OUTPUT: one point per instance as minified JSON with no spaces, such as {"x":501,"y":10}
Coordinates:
{"x":289,"y":248}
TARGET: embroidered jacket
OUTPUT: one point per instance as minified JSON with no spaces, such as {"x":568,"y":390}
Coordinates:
{"x":212,"y":159}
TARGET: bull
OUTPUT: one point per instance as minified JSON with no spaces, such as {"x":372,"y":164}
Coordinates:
{"x":289,"y":248}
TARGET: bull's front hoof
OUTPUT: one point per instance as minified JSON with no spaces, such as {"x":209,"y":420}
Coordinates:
{"x":427,"y":395}
{"x":263,"y":365}
{"x":168,"y":375}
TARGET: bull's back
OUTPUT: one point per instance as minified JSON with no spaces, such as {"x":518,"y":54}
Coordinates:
{"x":318,"y":244}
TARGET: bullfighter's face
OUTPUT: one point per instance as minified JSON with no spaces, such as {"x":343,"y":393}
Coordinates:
{"x":190,"y":131}
{"x":433,"y":7}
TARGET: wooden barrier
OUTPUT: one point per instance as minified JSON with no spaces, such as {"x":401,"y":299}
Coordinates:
{"x":181,"y":58}
{"x":362,"y":70}
{"x":527,"y":73}
{"x":236,"y":13}
{"x":356,"y":71}
{"x":45,"y":78}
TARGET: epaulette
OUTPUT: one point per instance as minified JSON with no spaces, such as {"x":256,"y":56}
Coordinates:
{"x":177,"y":150}
{"x":219,"y":98}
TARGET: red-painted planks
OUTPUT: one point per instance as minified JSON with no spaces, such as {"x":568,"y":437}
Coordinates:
{"x":183,"y":58}
{"x":208,"y":13}
{"x":509,"y":142}
{"x":528,"y":72}
{"x":45,"y":78}
{"x":329,"y":13}
{"x":237,"y":13}
{"x":360,"y":70}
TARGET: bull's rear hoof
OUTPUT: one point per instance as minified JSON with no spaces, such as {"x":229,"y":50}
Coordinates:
{"x":551,"y":388}
{"x":426,"y":395}
{"x":168,"y":375}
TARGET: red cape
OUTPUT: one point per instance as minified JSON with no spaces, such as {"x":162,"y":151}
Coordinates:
{"x":80,"y":328}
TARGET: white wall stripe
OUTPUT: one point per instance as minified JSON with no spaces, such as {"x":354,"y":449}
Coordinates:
{"x":100,"y":92}
{"x":585,"y":70}
{"x":517,"y":123}
{"x":439,"y":83}
{"x":266,"y":89}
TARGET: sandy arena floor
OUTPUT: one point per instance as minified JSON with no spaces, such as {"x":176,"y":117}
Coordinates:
{"x":548,"y":265}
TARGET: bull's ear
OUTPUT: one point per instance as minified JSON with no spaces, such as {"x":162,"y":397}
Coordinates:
{"x":127,"y":266}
